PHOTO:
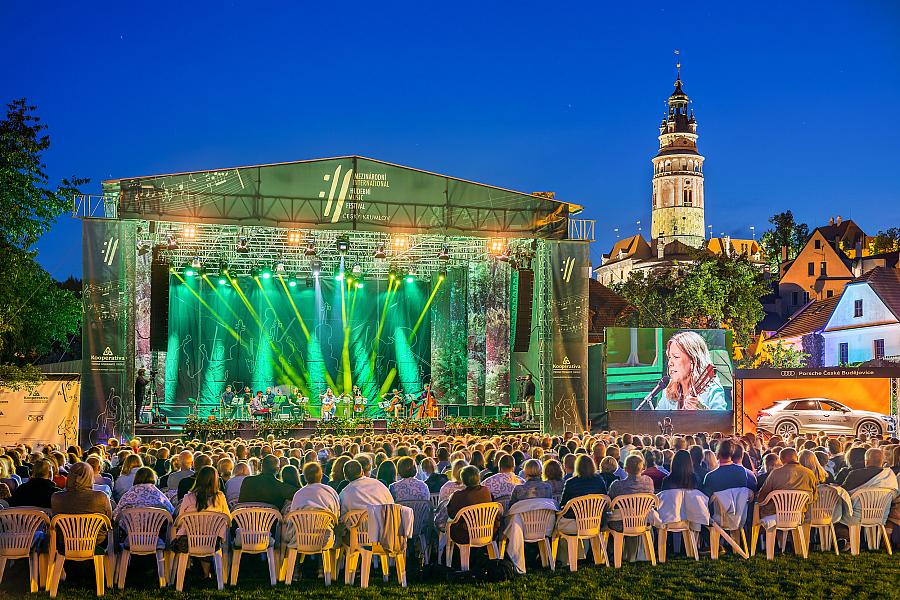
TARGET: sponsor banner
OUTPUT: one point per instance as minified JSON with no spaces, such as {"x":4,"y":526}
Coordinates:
{"x":107,"y":407}
{"x":570,"y":264}
{"x":48,"y":414}
{"x":816,"y":372}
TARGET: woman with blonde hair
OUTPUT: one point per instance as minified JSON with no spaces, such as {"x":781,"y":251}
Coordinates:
{"x":808,"y":459}
{"x":693,"y":384}
{"x":125,"y":480}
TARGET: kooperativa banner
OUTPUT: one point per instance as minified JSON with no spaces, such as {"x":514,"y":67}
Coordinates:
{"x":47,"y":414}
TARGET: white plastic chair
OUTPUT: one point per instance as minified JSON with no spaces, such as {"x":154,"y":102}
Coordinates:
{"x":396,"y":550}
{"x":314,"y":534}
{"x":80,"y":534}
{"x":821,"y":518}
{"x":634,"y":510}
{"x":588,"y":511}
{"x":205,"y":530}
{"x":688,"y":536}
{"x":790,"y":506}
{"x":254,"y":536}
{"x":873,"y":504}
{"x":18,"y":527}
{"x":479,"y":520}
{"x":535,"y":524}
{"x":716,"y":530}
{"x":144,"y":531}
{"x":422,"y":524}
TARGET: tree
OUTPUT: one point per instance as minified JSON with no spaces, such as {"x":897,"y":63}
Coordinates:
{"x":711,"y":291}
{"x":787,"y":233}
{"x":779,"y":356}
{"x":886,"y":241}
{"x":35,"y":312}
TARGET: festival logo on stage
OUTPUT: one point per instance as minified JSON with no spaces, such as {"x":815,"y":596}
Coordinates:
{"x":346,"y":195}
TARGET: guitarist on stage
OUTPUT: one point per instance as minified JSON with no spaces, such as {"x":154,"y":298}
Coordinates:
{"x":693,"y":383}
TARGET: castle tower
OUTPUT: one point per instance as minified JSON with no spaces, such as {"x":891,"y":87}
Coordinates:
{"x":678,"y":203}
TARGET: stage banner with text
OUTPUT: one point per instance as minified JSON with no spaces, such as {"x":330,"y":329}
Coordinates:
{"x":46,"y":414}
{"x":570,"y":265}
{"x":107,"y":403}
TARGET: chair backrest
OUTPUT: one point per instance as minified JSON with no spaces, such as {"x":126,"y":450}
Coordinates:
{"x":357,"y":524}
{"x":480,"y":520}
{"x":17,"y":529}
{"x":503,"y":501}
{"x":80,"y":533}
{"x":822,"y":510}
{"x":588,"y":511}
{"x":536,"y":523}
{"x":424,"y":514}
{"x":790,"y":505}
{"x":143,"y":527}
{"x":313,"y":529}
{"x":435,"y":500}
{"x":873,"y":504}
{"x":203,"y":530}
{"x":634,"y":509}
{"x":255,"y":526}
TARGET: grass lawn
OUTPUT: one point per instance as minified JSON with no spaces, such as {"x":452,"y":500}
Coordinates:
{"x":870,"y":575}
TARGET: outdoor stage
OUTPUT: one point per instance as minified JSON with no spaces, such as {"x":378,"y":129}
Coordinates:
{"x":330,"y":274}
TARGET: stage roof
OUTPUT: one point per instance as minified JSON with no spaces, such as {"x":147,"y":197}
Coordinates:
{"x":342,"y":193}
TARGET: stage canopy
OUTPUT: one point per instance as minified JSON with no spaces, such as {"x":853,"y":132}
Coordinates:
{"x":345,"y":193}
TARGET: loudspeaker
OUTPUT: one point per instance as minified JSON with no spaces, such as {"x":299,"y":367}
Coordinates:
{"x":523,"y":311}
{"x":159,"y":306}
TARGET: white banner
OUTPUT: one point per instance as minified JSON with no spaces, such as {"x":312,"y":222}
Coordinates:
{"x":46,"y":415}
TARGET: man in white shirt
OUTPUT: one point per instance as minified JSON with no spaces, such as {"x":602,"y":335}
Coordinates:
{"x":186,"y":464}
{"x":362,"y":492}
{"x":315,"y":495}
{"x":502,"y":483}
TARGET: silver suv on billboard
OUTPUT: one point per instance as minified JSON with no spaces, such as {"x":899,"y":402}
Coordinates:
{"x":811,"y":415}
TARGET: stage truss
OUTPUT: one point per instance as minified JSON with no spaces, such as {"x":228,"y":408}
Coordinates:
{"x":243,"y":250}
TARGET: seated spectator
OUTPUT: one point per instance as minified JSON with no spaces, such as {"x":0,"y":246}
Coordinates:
{"x":608,"y":468}
{"x":186,"y":483}
{"x":233,"y":486}
{"x":739,"y":457}
{"x":315,"y":495}
{"x":433,"y":479}
{"x":225,"y":467}
{"x":553,"y":475}
{"x":291,"y":476}
{"x":361,"y":491}
{"x":101,"y":483}
{"x":808,"y":459}
{"x":126,"y":476}
{"x":855,"y":459}
{"x":409,"y":488}
{"x":771,"y":461}
{"x":533,"y":486}
{"x":727,"y":475}
{"x":791,"y":475}
{"x":185,"y":469}
{"x":336,"y":480}
{"x":873,"y":465}
{"x":682,"y":475}
{"x":38,"y":490}
{"x":203,"y":496}
{"x":266,"y":487}
{"x":583,"y":482}
{"x":473,"y":493}
{"x":652,"y":471}
{"x":501,"y":485}
{"x":143,"y":493}
{"x":634,"y":482}
{"x":80,"y":497}
{"x":387,"y":473}
{"x":836,"y":459}
{"x":161,"y":465}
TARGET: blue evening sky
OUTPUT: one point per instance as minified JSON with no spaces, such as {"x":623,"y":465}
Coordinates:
{"x":798,"y":103}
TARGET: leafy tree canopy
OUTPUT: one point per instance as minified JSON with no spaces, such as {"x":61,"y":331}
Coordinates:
{"x":887,"y":241}
{"x":780,"y":356}
{"x":787,"y":233}
{"x":710,"y":292}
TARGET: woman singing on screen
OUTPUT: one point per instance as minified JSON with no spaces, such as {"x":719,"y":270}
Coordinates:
{"x":693,"y":382}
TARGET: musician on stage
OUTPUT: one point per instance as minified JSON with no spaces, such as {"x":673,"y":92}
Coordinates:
{"x":346,"y":403}
{"x":528,"y":392}
{"x":693,"y":383}
{"x":140,"y":390}
{"x":297,"y":403}
{"x":328,"y":404}
{"x":420,"y":404}
{"x":359,"y":403}
{"x":396,"y":405}
{"x":258,"y":406}
{"x":226,"y":400}
{"x":430,"y":404}
{"x":269,"y":398}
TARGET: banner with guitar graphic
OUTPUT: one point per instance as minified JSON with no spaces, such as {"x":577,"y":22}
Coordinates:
{"x":107,"y":403}
{"x":47,"y":414}
{"x":668,"y":369}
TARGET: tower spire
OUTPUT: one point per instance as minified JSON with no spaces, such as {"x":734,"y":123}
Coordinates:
{"x":677,"y":66}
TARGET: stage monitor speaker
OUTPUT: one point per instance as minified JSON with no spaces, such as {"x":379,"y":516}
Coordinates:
{"x":523,"y":311}
{"x":159,"y":306}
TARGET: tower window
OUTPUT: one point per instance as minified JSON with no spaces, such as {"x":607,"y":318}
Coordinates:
{"x":688,"y":197}
{"x":857,"y":308}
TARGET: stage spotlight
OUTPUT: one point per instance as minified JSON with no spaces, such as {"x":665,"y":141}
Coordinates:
{"x":310,"y":249}
{"x":410,"y":278}
{"x":339,"y":277}
{"x":442,"y":274}
{"x":223,"y":281}
{"x":359,"y":284}
{"x":190,"y":271}
{"x":496,"y":246}
{"x":171,"y":242}
{"x":189,"y":232}
{"x":143,"y":248}
{"x":392,"y":275}
{"x":343,"y":245}
{"x":293,"y":238}
{"x":266,"y":273}
{"x":195,"y":262}
{"x":292,"y":282}
{"x":279,"y":267}
{"x":243,"y":245}
{"x":380,"y":252}
{"x":504,"y":255}
{"x":357,"y":269}
{"x":400,"y":242}
{"x":445,"y":253}
{"x":254,"y":273}
{"x":316,"y":267}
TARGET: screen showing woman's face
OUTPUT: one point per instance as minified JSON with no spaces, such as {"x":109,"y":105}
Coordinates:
{"x":679,"y":363}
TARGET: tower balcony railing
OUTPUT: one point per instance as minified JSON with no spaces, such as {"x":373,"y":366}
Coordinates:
{"x":581,"y":229}
{"x":677,"y":172}
{"x":92,"y":206}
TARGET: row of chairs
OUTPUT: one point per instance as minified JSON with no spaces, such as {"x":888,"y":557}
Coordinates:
{"x":209,"y":535}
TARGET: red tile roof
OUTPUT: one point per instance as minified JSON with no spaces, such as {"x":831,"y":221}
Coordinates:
{"x":811,"y":318}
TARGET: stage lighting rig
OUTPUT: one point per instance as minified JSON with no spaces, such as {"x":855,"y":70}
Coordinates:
{"x":195,"y":263}
{"x":143,"y":248}
{"x":189,"y":232}
{"x":293,"y":238}
{"x":316,"y":267}
{"x":496,"y":246}
{"x":357,"y":269}
{"x":243,"y":245}
{"x":279,"y":267}
{"x":310,"y":249}
{"x":343,"y":245}
{"x":445,"y":253}
{"x":171,"y":242}
{"x":266,"y":273}
{"x":400,"y":243}
{"x":380,"y":253}
{"x":190,"y":270}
